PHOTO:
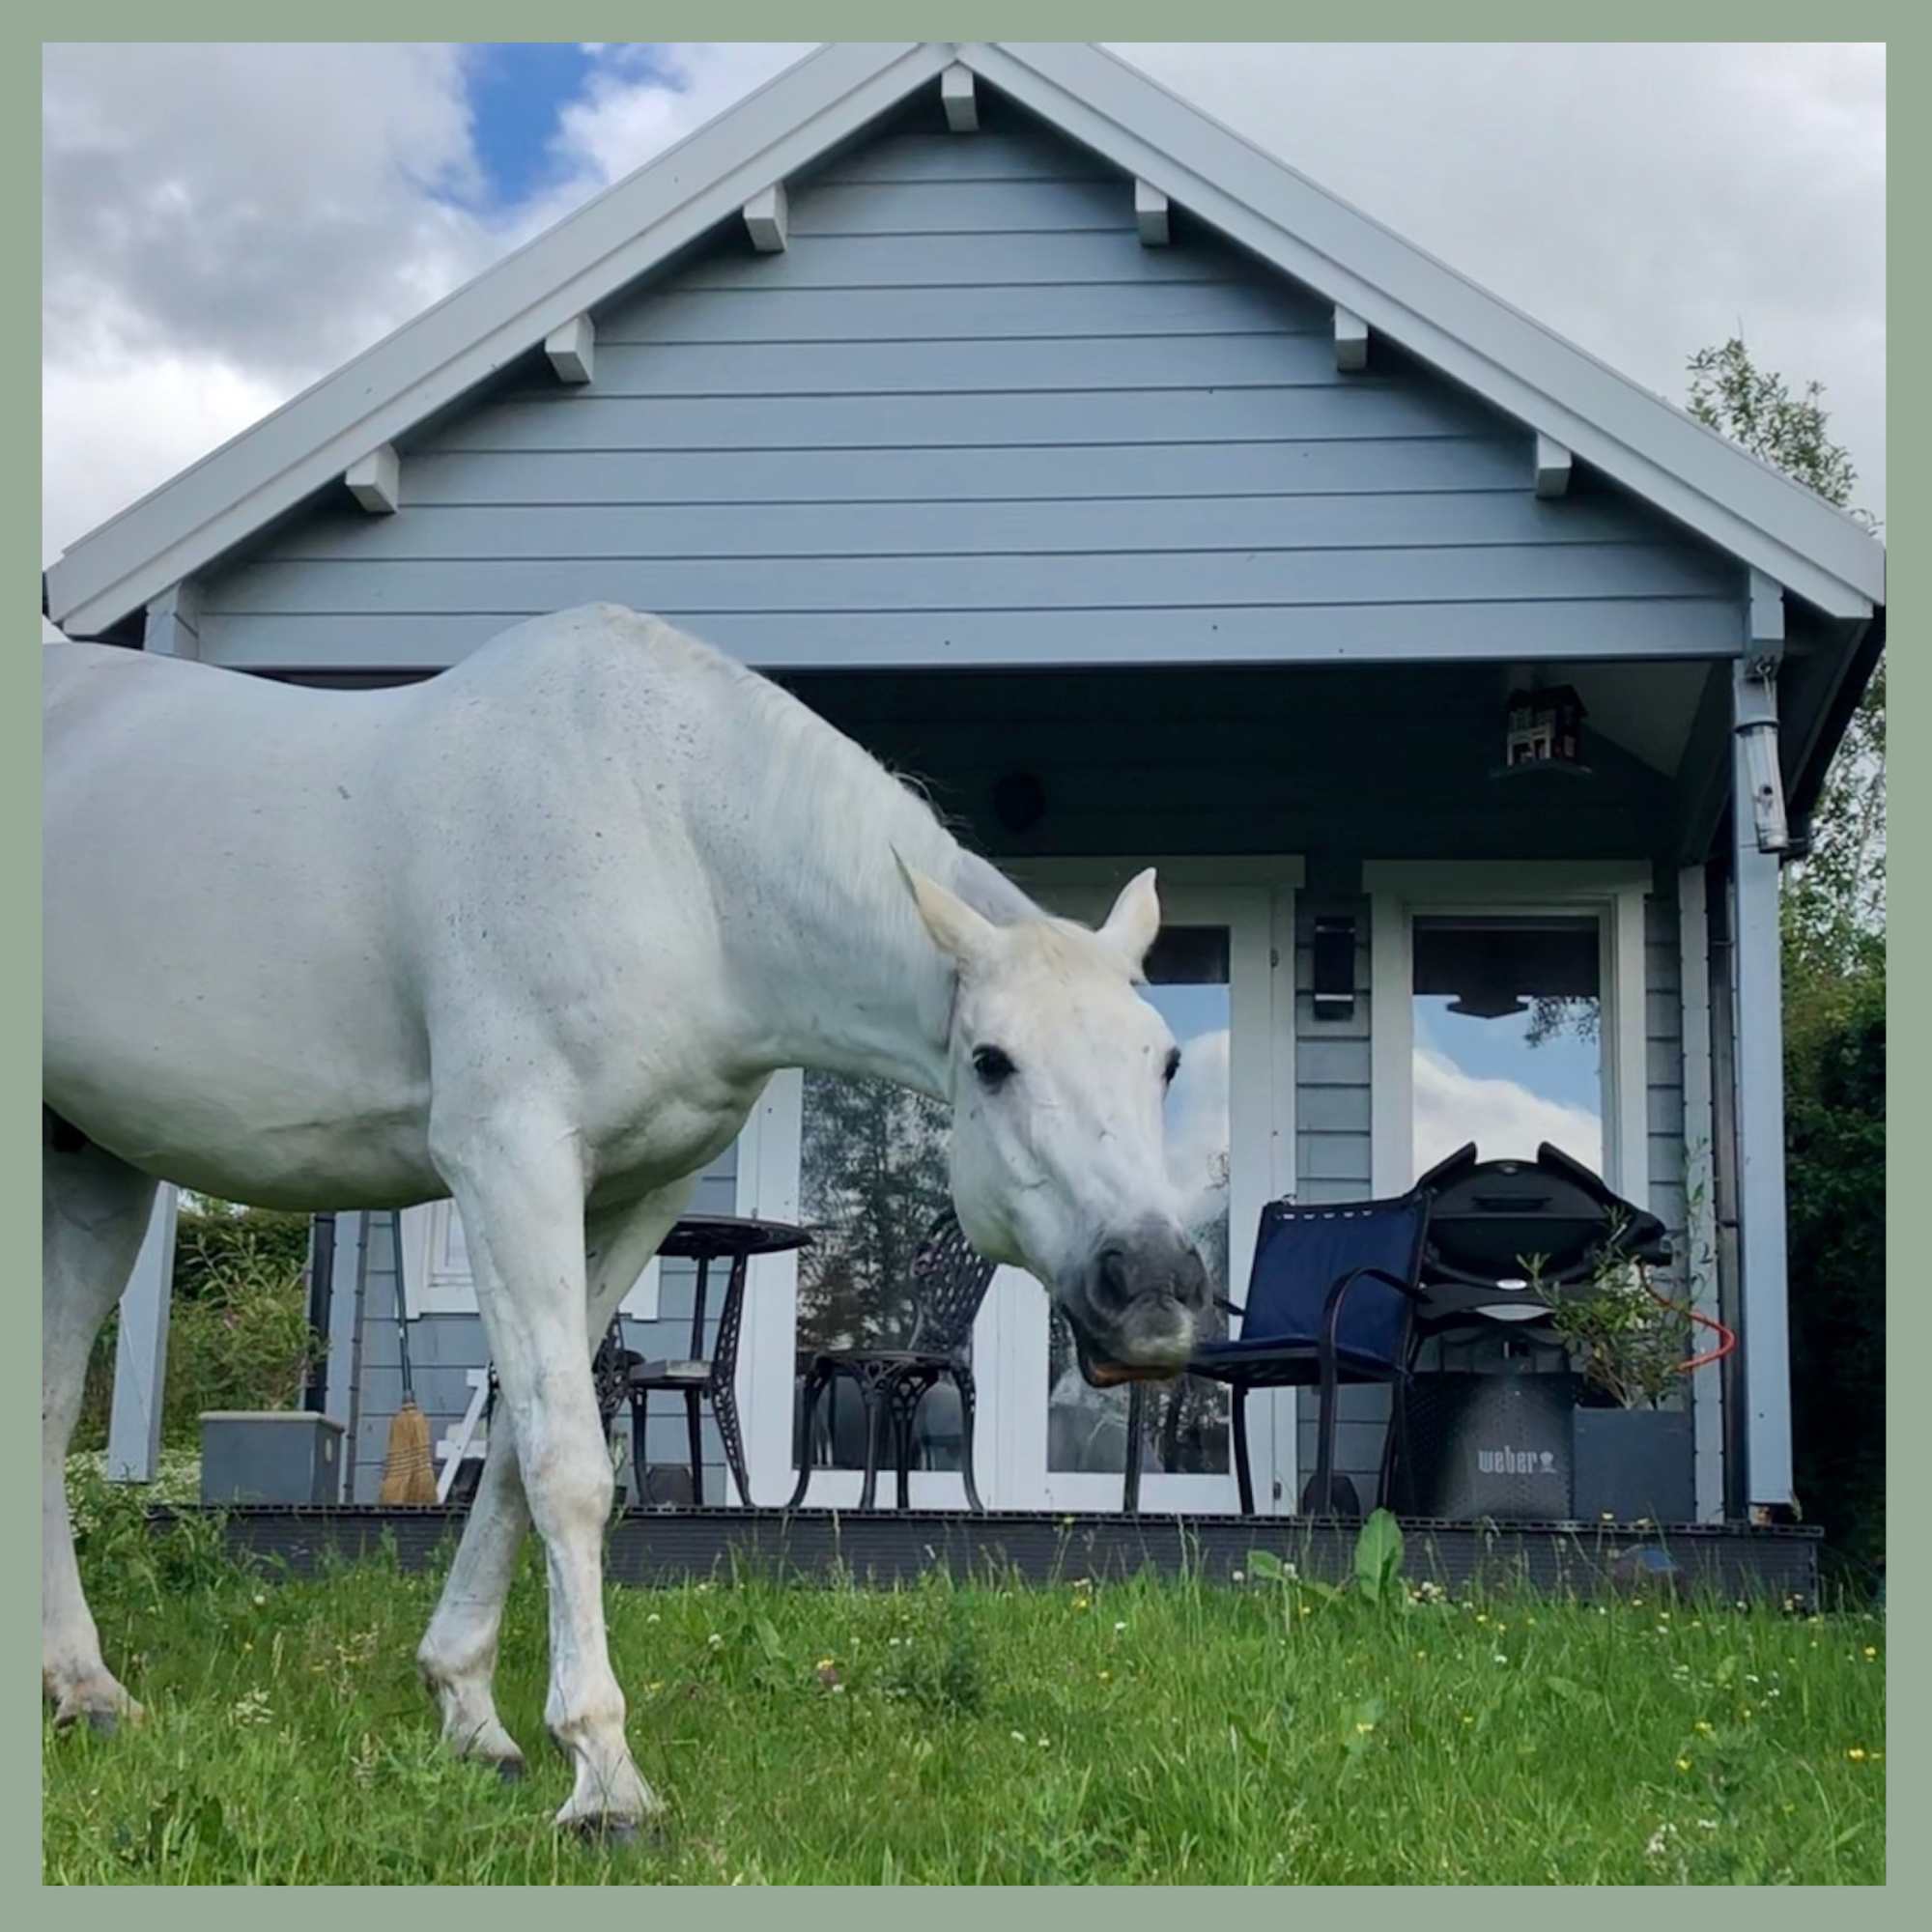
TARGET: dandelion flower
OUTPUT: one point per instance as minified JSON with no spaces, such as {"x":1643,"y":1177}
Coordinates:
{"x":1856,"y":1753}
{"x":1683,"y":1764}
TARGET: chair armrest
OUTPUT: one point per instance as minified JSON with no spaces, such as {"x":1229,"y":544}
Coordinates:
{"x":1331,"y":1314}
{"x":1348,"y":1280}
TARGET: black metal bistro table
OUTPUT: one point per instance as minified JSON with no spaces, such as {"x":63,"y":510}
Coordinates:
{"x":707,"y":1239}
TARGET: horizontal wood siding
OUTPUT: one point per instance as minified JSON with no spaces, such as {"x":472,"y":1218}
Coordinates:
{"x":1664,"y":1099}
{"x":966,"y":418}
{"x":445,"y":1348}
{"x":1333,"y":1157}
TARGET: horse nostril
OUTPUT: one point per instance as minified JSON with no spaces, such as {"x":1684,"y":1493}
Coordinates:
{"x":1193,"y":1283}
{"x":1114,"y":1284}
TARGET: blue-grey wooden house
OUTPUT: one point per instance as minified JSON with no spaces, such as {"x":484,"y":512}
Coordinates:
{"x":1147,"y":502}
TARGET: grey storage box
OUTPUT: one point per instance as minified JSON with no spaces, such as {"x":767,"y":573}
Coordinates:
{"x":1635,"y":1465}
{"x":270,"y":1456}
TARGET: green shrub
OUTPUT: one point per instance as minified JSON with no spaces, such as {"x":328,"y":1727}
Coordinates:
{"x":238,"y":1334}
{"x":1835,"y":1138}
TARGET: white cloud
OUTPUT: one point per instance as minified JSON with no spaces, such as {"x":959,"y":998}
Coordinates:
{"x":1502,"y":1117}
{"x":1642,"y":199}
{"x":224,"y":225}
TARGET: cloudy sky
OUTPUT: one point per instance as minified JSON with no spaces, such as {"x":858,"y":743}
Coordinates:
{"x":225,"y":224}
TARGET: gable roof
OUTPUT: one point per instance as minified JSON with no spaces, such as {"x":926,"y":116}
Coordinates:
{"x":1704,"y":482}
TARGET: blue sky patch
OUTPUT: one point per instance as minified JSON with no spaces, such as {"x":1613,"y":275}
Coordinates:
{"x":516,"y":90}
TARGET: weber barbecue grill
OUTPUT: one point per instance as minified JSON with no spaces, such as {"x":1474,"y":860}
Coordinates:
{"x":1508,"y":1239}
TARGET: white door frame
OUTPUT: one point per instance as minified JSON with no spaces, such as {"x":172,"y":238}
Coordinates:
{"x":1613,"y":889}
{"x":1009,"y":1337}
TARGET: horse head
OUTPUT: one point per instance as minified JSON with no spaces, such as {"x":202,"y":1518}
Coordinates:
{"x":1057,"y":1071}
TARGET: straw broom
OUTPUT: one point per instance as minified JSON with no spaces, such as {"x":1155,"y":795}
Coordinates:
{"x":409,"y":1472}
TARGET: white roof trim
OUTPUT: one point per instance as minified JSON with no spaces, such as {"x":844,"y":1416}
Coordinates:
{"x":1743,"y":507}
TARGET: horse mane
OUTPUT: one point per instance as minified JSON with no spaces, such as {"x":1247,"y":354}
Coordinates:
{"x":802,"y":756}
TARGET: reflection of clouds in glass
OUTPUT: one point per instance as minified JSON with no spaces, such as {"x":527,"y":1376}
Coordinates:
{"x":1503,"y":1117}
{"x":1197,"y":1146}
{"x":1197,"y":1116}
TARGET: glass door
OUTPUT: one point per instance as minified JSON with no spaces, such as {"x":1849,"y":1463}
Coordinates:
{"x":1508,"y":1035}
{"x":863,"y":1163}
{"x":1063,"y":1446}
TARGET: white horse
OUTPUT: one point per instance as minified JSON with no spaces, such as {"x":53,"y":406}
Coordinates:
{"x":534,"y":934}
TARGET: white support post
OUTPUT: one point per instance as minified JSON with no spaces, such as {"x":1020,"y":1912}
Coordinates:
{"x":376,"y":481}
{"x":1351,"y":340}
{"x":1552,"y":467}
{"x":573,"y":350}
{"x":1765,"y":1341}
{"x":141,"y":1351}
{"x":174,"y":622}
{"x":955,"y":93}
{"x":1150,"y":215}
{"x":1700,"y":1213}
{"x":768,"y":219}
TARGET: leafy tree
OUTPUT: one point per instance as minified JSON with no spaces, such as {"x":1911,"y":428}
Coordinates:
{"x":1833,"y":904}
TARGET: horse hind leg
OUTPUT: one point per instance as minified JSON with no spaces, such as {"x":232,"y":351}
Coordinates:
{"x":94,"y":1210}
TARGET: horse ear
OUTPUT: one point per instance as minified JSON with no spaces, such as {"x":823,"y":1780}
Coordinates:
{"x":1134,"y":920}
{"x":956,"y":927}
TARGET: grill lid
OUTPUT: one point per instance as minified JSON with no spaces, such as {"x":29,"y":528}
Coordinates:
{"x":1489,"y":1218}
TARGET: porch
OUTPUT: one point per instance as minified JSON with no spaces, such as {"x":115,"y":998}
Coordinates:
{"x":1367,"y":917}
{"x":652,"y":1549}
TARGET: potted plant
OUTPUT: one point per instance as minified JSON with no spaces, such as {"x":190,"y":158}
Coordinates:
{"x":1634,"y":1446}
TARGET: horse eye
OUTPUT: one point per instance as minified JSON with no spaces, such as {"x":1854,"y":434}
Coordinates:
{"x":1172,"y":1067}
{"x":993,"y":1066}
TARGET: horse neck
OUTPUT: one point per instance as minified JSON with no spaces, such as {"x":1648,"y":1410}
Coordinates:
{"x":824,"y":939}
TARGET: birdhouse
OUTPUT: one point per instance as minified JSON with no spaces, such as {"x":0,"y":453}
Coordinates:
{"x":1544,"y":729}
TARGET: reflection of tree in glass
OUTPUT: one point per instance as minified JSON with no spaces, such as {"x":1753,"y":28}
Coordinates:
{"x":1551,"y":1018}
{"x":872,"y":1178}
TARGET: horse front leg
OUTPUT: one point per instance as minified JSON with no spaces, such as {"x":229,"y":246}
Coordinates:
{"x":458,"y":1654}
{"x":519,"y":1185}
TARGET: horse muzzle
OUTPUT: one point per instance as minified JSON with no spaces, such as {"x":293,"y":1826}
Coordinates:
{"x":1141,"y":1305}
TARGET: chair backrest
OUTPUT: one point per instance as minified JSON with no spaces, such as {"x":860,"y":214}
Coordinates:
{"x":1300,"y":1254}
{"x":949,"y":1281}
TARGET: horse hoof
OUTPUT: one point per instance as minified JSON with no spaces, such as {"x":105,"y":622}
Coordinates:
{"x":613,"y":1833}
{"x":510,"y":1770}
{"x":103,"y":1723}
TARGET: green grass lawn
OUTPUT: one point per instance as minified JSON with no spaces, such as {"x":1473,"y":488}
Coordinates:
{"x":1139,"y":1732}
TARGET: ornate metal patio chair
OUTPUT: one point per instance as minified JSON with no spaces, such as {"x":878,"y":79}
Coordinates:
{"x":1332,"y":1299}
{"x":949,"y":1283}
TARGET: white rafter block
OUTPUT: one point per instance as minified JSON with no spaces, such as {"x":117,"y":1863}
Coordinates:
{"x":956,"y":93}
{"x":1552,"y":467}
{"x":376,"y":481}
{"x":1351,"y":340}
{"x":1150,"y":215}
{"x":766,"y":219}
{"x":572,"y":349}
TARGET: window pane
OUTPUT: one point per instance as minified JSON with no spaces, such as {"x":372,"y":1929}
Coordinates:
{"x":1187,"y":1420}
{"x":1508,"y":1037}
{"x":872,"y":1178}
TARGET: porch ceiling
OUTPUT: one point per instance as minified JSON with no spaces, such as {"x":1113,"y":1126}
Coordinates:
{"x":1357,"y":761}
